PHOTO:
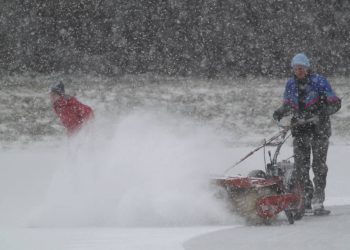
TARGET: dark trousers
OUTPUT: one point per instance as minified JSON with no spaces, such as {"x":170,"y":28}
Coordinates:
{"x":304,"y":145}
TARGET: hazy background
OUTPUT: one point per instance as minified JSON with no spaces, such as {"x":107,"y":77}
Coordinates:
{"x":239,"y":109}
{"x":172,"y":37}
{"x":222,"y":63}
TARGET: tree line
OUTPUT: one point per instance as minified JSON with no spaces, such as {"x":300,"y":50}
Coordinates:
{"x":173,"y":37}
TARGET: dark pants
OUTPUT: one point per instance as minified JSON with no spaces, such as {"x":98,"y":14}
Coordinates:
{"x":304,"y":145}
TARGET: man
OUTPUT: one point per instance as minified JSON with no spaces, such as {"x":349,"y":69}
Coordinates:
{"x":72,"y":113}
{"x":311,"y":100}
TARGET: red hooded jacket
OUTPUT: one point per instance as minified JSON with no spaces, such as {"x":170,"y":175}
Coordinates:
{"x":72,"y":113}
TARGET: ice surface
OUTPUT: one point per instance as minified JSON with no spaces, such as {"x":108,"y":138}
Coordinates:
{"x":321,"y":233}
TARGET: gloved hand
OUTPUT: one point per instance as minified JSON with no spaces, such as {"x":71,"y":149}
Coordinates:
{"x":277,"y":115}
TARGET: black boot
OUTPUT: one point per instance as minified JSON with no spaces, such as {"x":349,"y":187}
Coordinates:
{"x":308,"y":208}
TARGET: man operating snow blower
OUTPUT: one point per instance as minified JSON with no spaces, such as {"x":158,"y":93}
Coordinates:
{"x":309,"y":97}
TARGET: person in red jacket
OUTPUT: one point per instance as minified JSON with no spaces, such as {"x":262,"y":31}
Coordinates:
{"x":72,"y":113}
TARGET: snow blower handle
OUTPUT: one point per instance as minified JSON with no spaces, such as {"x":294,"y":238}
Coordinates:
{"x":315,"y":119}
{"x":282,"y":133}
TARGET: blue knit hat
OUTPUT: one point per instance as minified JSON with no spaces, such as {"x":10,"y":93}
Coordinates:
{"x":57,"y":88}
{"x":300,"y":59}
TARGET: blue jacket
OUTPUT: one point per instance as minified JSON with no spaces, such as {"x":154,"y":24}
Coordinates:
{"x":317,"y":89}
{"x":317,"y":98}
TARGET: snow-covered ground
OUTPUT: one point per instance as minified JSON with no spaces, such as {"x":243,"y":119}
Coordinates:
{"x":40,"y":214}
{"x":138,"y":177}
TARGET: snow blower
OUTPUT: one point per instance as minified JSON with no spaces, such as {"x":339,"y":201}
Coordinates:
{"x":262,"y":195}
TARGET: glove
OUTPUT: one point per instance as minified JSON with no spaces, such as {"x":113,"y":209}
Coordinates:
{"x":277,"y":115}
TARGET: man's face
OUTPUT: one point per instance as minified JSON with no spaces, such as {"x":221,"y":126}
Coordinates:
{"x":54,"y":97}
{"x":300,"y":71}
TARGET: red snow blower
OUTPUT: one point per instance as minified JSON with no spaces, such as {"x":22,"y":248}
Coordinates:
{"x":262,"y":195}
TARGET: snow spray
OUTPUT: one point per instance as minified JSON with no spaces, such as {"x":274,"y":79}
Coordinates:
{"x":146,"y":169}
